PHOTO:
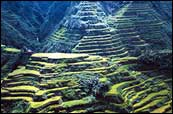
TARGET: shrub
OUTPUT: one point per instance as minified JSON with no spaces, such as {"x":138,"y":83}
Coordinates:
{"x":92,"y":85}
{"x":70,"y":94}
{"x":20,"y":107}
{"x":160,"y":58}
{"x":135,"y":52}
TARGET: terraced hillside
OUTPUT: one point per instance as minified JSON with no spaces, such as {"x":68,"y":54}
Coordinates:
{"x":107,"y":67}
{"x":138,"y":25}
{"x":10,"y":59}
{"x":58,"y":82}
{"x":62,"y":40}
{"x":98,"y":38}
{"x":66,"y":36}
{"x":86,"y":32}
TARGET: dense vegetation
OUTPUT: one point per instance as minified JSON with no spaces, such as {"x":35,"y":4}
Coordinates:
{"x":86,"y":57}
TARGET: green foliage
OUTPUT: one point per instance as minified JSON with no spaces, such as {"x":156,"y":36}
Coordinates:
{"x":24,"y":71}
{"x":92,"y":84}
{"x":20,"y":107}
{"x":86,"y":100}
{"x":135,"y":52}
{"x":70,"y":94}
{"x":161,"y":58}
{"x":2,"y":46}
{"x":12,"y":50}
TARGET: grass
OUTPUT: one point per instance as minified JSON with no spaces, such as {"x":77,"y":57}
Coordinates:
{"x":59,"y":55}
{"x":42,"y":92}
{"x":115,"y":89}
{"x":21,"y":82}
{"x":79,"y":111}
{"x":3,"y":46}
{"x":153,"y":103}
{"x":73,"y":103}
{"x":135,"y":73}
{"x":74,"y":73}
{"x":56,"y":81}
{"x":124,"y":59}
{"x":12,"y":50}
{"x":24,"y":71}
{"x":122,"y":68}
{"x":143,"y":91}
{"x":4,"y":91}
{"x":29,"y":99}
{"x":26,"y":88}
{"x":89,"y":62}
{"x":109,"y":111}
{"x":103,"y":80}
{"x":140,"y":84}
{"x":59,"y":34}
{"x":32,"y":103}
{"x":161,"y":109}
{"x":42,"y":103}
{"x":98,"y":69}
{"x":44,"y":63}
{"x":127,"y":94}
{"x":151,"y":96}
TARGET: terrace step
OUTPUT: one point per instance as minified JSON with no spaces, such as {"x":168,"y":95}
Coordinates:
{"x":98,"y":46}
{"x":101,"y":42}
{"x":99,"y":50}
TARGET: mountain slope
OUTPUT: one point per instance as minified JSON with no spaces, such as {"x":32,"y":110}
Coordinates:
{"x":26,"y":22}
{"x":62,"y":82}
{"x":117,"y":57}
{"x":34,"y":21}
{"x":139,"y":27}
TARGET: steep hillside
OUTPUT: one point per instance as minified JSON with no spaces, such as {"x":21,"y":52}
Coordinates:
{"x":33,"y":22}
{"x":86,"y":32}
{"x":11,"y":59}
{"x":140,"y":27}
{"x":63,"y":83}
{"x":29,"y":23}
{"x":164,"y":8}
{"x":98,"y":38}
{"x":110,"y":7}
{"x":86,"y":57}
